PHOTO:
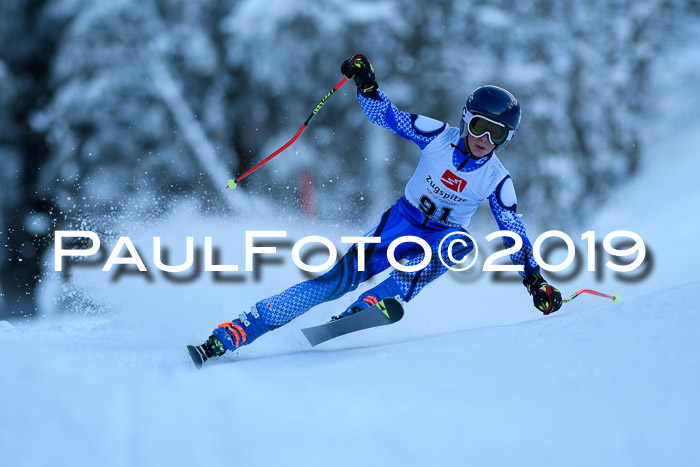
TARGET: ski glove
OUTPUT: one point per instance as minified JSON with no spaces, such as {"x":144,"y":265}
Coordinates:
{"x":546,"y":298}
{"x":360,"y":69}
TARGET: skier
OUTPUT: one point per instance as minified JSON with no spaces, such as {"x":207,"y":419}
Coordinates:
{"x":457,"y":170}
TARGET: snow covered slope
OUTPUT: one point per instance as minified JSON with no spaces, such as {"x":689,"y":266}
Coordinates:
{"x":617,"y":385}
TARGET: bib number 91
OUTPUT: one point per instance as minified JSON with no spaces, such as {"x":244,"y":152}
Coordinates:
{"x":428,"y":207}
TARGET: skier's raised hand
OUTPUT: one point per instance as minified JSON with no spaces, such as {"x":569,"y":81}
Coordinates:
{"x":360,"y":69}
{"x":545,"y":297}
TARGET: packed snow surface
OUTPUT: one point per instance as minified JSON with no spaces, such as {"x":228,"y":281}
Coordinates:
{"x":613,"y":385}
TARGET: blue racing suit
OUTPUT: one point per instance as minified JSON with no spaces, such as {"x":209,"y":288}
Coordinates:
{"x":412,"y":217}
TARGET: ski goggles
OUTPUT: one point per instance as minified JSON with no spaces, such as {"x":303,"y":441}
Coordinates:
{"x":480,"y":125}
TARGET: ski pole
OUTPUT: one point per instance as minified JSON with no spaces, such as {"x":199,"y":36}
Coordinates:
{"x":234,"y":182}
{"x":615,"y":297}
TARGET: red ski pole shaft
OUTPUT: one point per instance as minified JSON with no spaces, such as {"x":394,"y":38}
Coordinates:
{"x":615,"y":298}
{"x":233,"y":183}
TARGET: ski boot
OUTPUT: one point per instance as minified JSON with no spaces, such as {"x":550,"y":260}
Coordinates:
{"x":227,"y":337}
{"x":387,"y":288}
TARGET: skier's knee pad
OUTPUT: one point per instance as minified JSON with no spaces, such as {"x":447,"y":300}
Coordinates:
{"x":242,"y":330}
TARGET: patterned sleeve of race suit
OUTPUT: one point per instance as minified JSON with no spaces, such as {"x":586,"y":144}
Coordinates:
{"x":417,"y":128}
{"x":503,"y":206}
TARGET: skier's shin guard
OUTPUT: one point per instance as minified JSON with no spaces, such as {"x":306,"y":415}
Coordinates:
{"x":242,"y":330}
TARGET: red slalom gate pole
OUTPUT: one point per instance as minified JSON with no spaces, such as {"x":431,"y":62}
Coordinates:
{"x":234,"y":182}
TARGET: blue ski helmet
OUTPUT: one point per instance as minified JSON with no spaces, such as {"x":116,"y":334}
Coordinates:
{"x":496,"y":104}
